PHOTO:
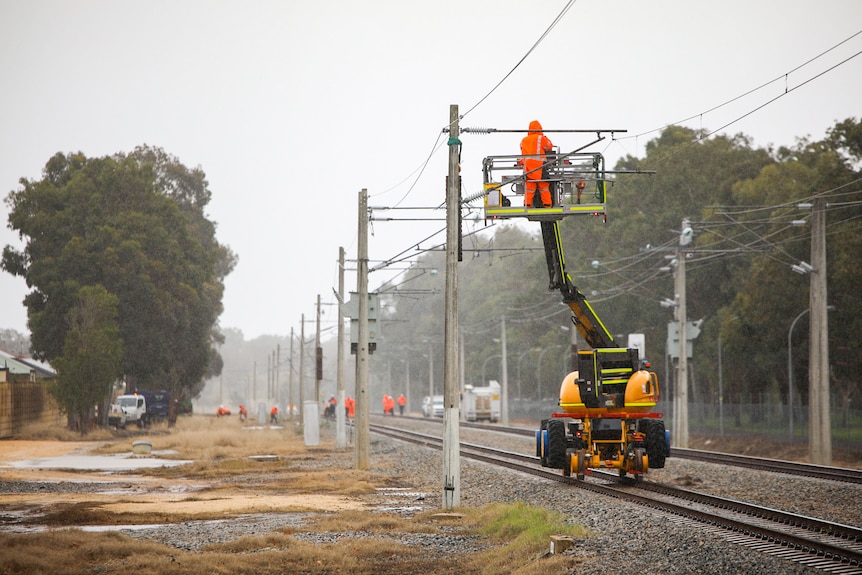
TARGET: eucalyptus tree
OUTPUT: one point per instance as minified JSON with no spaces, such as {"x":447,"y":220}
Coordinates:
{"x":134,"y":224}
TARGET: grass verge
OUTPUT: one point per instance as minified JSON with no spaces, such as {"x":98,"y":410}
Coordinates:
{"x":514,"y":538}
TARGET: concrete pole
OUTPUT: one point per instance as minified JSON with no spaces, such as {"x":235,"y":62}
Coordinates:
{"x":504,"y":385}
{"x":462,"y":375}
{"x":407,"y":384}
{"x":451,"y":403}
{"x":680,"y":400}
{"x":819,"y":430}
{"x":291,"y":404}
{"x":362,"y":399}
{"x":301,"y":405}
{"x":277,"y":369}
{"x":318,"y":357}
{"x":573,"y":349}
{"x":430,"y":372}
{"x":340,"y":423}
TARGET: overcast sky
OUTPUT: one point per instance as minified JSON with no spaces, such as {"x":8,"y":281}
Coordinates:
{"x":291,"y":107}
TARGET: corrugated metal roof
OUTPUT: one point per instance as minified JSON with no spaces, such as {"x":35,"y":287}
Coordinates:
{"x":23,"y":365}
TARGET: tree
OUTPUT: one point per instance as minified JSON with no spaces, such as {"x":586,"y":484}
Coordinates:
{"x":92,"y":355}
{"x":768,"y":296}
{"x":134,"y":224}
{"x":13,"y":341}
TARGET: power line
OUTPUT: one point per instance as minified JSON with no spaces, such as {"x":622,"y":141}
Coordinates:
{"x":535,"y":45}
{"x":776,"y":79}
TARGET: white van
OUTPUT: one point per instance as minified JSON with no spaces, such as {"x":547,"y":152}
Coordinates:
{"x":432,"y":405}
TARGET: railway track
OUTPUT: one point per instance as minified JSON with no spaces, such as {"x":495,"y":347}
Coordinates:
{"x":830,"y":547}
{"x":773,"y":465}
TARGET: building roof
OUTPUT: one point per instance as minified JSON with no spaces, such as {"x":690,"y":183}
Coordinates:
{"x":23,"y":365}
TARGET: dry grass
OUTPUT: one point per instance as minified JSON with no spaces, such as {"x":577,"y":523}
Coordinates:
{"x":70,"y":552}
{"x":42,"y":432}
{"x":89,"y":513}
{"x":517,"y":535}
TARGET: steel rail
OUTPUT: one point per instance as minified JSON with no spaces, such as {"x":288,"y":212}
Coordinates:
{"x":832,"y":547}
{"x":843,"y":474}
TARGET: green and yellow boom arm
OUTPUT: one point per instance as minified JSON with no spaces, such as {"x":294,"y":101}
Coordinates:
{"x":587,"y":322}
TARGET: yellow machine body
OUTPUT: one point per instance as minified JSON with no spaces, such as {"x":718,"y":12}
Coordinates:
{"x":641,"y":396}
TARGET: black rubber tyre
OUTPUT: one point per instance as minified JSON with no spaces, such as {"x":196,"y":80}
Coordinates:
{"x":655,"y":442}
{"x":556,"y":455}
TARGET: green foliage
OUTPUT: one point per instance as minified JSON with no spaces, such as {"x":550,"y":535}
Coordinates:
{"x":134,"y":224}
{"x":524,"y":532}
{"x":91,"y":356}
{"x":738,"y":273}
{"x":519,"y":521}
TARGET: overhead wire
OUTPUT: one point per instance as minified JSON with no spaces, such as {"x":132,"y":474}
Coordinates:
{"x":749,"y":92}
{"x":535,"y":45}
{"x":704,"y":135}
{"x":562,"y":13}
{"x":438,"y":143}
{"x":439,"y":139}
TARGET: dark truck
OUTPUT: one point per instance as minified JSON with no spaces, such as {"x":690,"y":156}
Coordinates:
{"x":139,"y":407}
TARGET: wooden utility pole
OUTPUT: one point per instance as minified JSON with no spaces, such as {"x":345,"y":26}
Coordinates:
{"x":361,"y":395}
{"x":340,"y":427}
{"x":819,"y":427}
{"x":451,"y":398}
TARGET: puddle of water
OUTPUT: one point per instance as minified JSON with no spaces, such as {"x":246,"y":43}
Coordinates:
{"x":401,"y":509}
{"x":122,"y":462}
{"x":106,"y":528}
{"x":401,"y":493}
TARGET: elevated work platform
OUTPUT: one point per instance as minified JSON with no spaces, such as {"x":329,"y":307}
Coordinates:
{"x":577,"y":181}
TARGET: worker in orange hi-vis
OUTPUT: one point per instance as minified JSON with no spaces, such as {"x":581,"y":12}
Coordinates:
{"x":402,"y":401}
{"x":349,"y":406}
{"x":533,"y":147}
{"x":273,"y":414}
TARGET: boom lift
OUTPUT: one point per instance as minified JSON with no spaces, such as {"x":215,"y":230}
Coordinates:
{"x":607,"y":419}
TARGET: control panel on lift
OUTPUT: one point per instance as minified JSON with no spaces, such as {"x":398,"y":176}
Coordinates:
{"x":578,"y":183}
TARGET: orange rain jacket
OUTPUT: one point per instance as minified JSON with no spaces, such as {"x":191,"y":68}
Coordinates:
{"x":535,"y":143}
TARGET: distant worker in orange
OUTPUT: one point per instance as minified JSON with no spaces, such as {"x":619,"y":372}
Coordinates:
{"x":402,"y":401}
{"x":533,"y":147}
{"x":331,"y":403}
{"x":273,"y":414}
{"x":243,"y":412}
{"x":349,"y":406}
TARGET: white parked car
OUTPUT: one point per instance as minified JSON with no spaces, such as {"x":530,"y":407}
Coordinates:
{"x":432,"y":405}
